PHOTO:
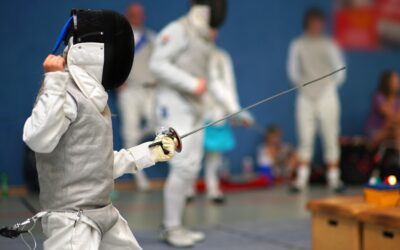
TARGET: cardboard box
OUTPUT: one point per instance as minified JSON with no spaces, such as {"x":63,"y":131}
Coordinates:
{"x":331,"y":232}
{"x":334,"y":223}
{"x":381,"y":229}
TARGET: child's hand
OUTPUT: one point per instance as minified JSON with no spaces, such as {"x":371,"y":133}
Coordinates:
{"x":53,"y":63}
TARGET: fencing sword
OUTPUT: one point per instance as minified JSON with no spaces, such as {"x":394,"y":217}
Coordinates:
{"x":170,"y":132}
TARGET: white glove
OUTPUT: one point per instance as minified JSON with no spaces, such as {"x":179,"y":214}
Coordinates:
{"x":157,"y":152}
{"x":244,"y":119}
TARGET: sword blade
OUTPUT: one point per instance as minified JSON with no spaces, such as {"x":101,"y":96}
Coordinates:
{"x":263,"y":101}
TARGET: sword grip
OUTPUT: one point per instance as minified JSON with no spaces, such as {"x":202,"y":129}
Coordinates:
{"x":159,"y":143}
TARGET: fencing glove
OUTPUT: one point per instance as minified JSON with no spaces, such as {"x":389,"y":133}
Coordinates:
{"x":165,"y":151}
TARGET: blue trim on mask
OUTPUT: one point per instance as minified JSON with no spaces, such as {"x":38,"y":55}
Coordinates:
{"x":62,"y":34}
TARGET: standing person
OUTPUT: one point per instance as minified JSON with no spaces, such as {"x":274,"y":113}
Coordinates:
{"x":70,"y":131}
{"x":136,"y":98}
{"x":180,"y":63}
{"x":222,"y":100}
{"x":317,"y":106}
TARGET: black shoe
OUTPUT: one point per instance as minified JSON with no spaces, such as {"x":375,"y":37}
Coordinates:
{"x":340,"y":189}
{"x":220,"y":200}
{"x":189,"y":200}
{"x":294,"y":190}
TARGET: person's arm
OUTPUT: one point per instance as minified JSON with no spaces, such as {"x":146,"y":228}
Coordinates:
{"x":383,"y":107}
{"x":232,"y":100}
{"x":233,"y":103}
{"x":222,"y":74}
{"x":129,"y":161}
{"x":216,"y":86}
{"x":168,"y":45}
{"x":132,"y":160}
{"x":338,"y":62}
{"x":54,"y":109}
{"x":293,"y":64}
{"x":222,"y":86}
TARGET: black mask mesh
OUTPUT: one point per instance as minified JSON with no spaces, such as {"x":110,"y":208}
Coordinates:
{"x":112,"y":29}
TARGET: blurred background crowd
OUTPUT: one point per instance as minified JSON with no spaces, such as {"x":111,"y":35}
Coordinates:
{"x":351,"y":121}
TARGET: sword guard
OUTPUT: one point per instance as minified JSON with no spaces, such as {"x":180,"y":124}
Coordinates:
{"x":171,"y":133}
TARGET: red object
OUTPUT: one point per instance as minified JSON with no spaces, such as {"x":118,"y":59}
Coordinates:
{"x":356,"y":28}
{"x":389,"y":10}
{"x":368,"y":26}
{"x":229,"y":186}
{"x":386,"y":180}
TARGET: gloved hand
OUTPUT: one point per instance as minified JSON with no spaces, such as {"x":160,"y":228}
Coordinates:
{"x":244,"y":119}
{"x":166,"y":151}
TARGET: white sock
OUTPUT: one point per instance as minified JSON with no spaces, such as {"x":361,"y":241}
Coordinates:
{"x":212,"y":163}
{"x":333,"y":177}
{"x":191,"y":191}
{"x":303,"y":175}
{"x":174,"y":200}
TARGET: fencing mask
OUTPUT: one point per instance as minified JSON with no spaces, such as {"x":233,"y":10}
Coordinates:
{"x":109,"y":28}
{"x":218,"y":10}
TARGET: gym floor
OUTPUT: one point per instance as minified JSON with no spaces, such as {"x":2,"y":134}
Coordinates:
{"x":260,"y":219}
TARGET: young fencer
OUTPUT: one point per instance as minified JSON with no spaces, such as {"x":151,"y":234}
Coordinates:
{"x":70,"y":130}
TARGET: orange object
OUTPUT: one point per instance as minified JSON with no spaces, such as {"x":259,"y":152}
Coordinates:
{"x":384,"y":198}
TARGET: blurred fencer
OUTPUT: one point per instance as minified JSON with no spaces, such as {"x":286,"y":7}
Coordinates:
{"x":317,"y":106}
{"x":180,"y":63}
{"x":136,"y":98}
{"x":70,"y":131}
{"x":221,"y":100}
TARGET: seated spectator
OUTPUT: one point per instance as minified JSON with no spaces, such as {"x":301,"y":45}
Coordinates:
{"x":384,"y":117}
{"x":276,"y":159}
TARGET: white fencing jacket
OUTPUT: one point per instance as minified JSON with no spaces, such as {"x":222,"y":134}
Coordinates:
{"x":180,"y":59}
{"x":55,"y":109}
{"x":312,"y":57}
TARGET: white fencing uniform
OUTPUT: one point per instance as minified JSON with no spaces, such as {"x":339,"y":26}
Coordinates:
{"x":222,"y":99}
{"x":180,"y":59}
{"x":317,"y":105}
{"x":70,"y":131}
{"x":63,"y":235}
{"x":136,"y":98}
